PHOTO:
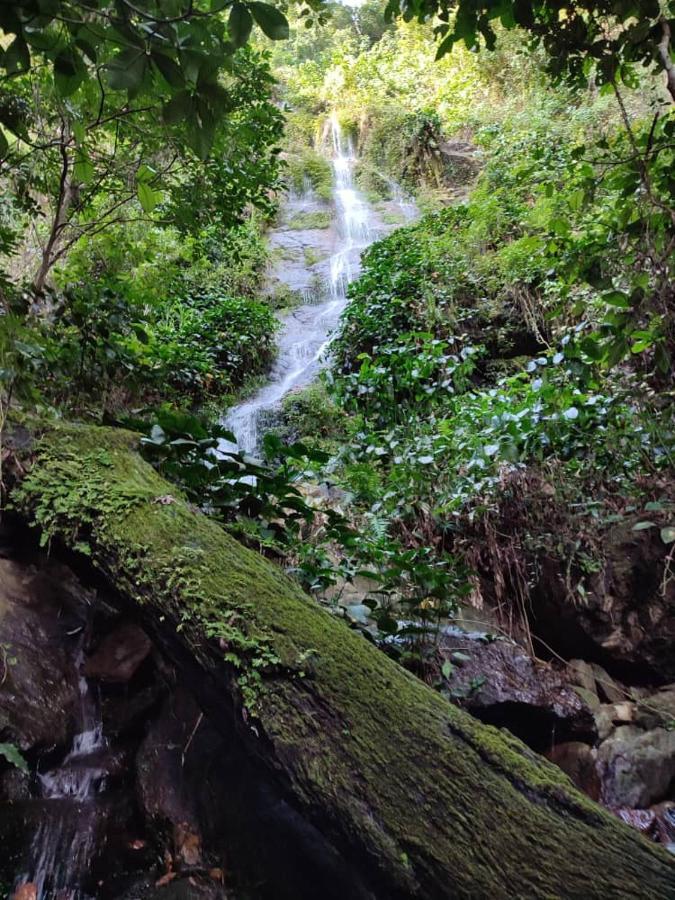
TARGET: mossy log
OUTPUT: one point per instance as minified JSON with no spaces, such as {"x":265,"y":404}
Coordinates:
{"x":400,"y":794}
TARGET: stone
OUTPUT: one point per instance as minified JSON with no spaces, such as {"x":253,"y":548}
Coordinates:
{"x":627,"y":619}
{"x":590,"y":698}
{"x":581,"y":673}
{"x":604,"y":720}
{"x":664,"y":814}
{"x":578,"y":761}
{"x":606,"y":687}
{"x":658,"y":708}
{"x":499,"y":683}
{"x":644,"y":820}
{"x":41,"y":614}
{"x":119,"y":655}
{"x":636,"y":767}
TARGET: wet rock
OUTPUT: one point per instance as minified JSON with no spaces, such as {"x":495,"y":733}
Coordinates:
{"x":636,"y":767}
{"x":644,"y":820}
{"x":501,"y":684}
{"x":26,"y":892}
{"x":665,"y":823}
{"x":119,"y":655}
{"x":578,"y":761}
{"x":191,"y":888}
{"x":40,"y":603}
{"x":581,"y":675}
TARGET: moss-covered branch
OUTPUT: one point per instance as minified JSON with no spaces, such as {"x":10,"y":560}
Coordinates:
{"x":415,"y":796}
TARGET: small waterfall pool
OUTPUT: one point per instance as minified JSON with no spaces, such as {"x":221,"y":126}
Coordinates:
{"x":306,"y":330}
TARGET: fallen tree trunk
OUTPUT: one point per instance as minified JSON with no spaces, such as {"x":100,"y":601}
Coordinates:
{"x":388,"y":790}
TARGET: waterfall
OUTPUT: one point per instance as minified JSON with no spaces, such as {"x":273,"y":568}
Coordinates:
{"x":62,"y":848}
{"x":305,"y":331}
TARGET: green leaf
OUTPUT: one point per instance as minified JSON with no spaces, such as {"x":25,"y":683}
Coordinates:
{"x":83,"y":170}
{"x":127,"y":70}
{"x":642,"y":526}
{"x":271,"y":20}
{"x":668,"y":534}
{"x":148,"y":197}
{"x":14,"y":756}
{"x":69,"y":72}
{"x":169,"y":70}
{"x":447,"y":669}
{"x":178,"y":109}
{"x":239,"y":24}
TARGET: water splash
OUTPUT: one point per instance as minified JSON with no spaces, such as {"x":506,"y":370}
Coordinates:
{"x":65,"y":841}
{"x":305,"y":331}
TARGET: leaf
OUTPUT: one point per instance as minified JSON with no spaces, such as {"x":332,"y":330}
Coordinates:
{"x":83,"y":170}
{"x":69,"y":72}
{"x":447,"y":669}
{"x":179,"y":108}
{"x":169,"y":70}
{"x":571,"y":413}
{"x":239,"y":24}
{"x":425,"y":460}
{"x":642,"y":526}
{"x":148,"y":197}
{"x":668,"y":534}
{"x":458,"y":656}
{"x":272,"y":22}
{"x":127,"y":70}
{"x":14,"y":756}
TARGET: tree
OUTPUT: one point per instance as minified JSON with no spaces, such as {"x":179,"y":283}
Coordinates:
{"x":380,"y":786}
{"x":92,"y":160}
{"x":611,"y":38}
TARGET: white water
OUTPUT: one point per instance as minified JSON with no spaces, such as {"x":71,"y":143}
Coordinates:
{"x":63,"y":845}
{"x":305,"y":331}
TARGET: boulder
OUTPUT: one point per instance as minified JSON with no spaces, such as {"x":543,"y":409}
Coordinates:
{"x":658,"y":708}
{"x":627,"y":619}
{"x":636,"y":767}
{"x":41,"y":610}
{"x":501,"y":684}
{"x":119,"y":655}
{"x":578,"y":761}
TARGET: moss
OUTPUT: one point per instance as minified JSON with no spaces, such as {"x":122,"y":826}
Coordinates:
{"x":438,"y":804}
{"x":306,"y":221}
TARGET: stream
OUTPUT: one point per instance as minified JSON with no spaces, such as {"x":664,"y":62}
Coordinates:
{"x":320,"y":264}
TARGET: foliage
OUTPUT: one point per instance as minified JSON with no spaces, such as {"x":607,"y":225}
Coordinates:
{"x":611,"y":39}
{"x":14,"y":756}
{"x":170,"y":54}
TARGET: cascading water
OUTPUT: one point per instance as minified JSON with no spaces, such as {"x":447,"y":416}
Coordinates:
{"x":64,"y":843}
{"x":305,"y":331}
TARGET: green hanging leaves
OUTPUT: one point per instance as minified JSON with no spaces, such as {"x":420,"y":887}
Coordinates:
{"x":272,"y":22}
{"x":239,"y":24}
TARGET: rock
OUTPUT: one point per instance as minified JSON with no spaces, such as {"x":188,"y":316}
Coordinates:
{"x":665,"y":823}
{"x":644,"y":820}
{"x":119,"y":655}
{"x":604,"y":720}
{"x":590,"y":698}
{"x":627,"y":619}
{"x":657,"y":709}
{"x":578,"y":760}
{"x":499,"y":683}
{"x":606,"y":687}
{"x":582,"y":675}
{"x":27,"y":891}
{"x":40,"y":603}
{"x":636,"y":767}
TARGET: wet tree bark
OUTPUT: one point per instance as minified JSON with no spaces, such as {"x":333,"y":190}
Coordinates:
{"x":382,"y":786}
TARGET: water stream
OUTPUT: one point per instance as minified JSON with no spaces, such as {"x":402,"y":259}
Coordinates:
{"x":65,"y":840}
{"x":305,"y":331}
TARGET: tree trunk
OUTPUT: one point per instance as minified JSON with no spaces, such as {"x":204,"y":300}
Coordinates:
{"x":390,"y":791}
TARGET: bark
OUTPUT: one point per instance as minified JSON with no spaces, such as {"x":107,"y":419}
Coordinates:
{"x":666,"y":59}
{"x":389,"y":791}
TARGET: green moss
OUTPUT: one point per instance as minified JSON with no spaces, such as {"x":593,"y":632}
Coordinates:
{"x":306,"y":221}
